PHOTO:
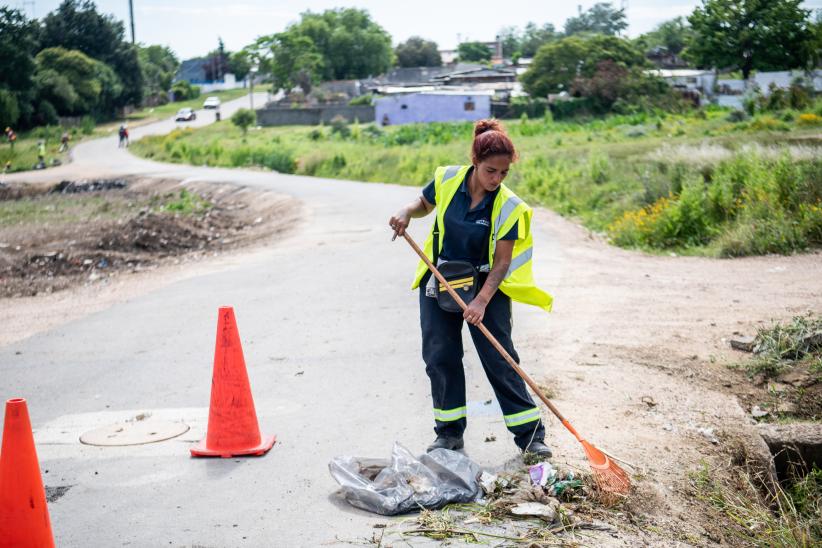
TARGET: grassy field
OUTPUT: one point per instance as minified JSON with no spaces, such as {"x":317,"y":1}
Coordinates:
{"x":707,"y":182}
{"x":24,"y":155}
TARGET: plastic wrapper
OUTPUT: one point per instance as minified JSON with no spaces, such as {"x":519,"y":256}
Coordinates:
{"x":405,"y":483}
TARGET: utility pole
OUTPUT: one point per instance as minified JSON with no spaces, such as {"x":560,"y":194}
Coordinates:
{"x":131,"y":15}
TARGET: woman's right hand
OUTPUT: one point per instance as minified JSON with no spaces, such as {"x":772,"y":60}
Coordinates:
{"x":400,"y":222}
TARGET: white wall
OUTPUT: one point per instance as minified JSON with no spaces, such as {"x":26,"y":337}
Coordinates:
{"x":431,"y":107}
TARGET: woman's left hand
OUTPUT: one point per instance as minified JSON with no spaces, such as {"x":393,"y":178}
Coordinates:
{"x":475,"y":311}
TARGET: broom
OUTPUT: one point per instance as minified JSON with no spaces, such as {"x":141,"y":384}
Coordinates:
{"x":608,"y":475}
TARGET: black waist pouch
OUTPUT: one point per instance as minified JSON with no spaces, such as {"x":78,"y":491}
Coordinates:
{"x":463,"y":278}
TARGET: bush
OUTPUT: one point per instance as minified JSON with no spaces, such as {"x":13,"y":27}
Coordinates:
{"x":737,"y":116}
{"x":87,"y":125}
{"x":363,"y":100}
{"x":183,"y":90}
{"x":809,"y":119}
{"x":243,"y":118}
{"x":339,"y":126}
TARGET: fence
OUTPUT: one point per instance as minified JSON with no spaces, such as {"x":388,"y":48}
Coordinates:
{"x":312,"y":116}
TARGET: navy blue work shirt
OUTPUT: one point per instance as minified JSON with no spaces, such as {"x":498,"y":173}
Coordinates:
{"x":467,"y":230}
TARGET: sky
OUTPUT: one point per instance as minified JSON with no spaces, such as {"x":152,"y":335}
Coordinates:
{"x":192,"y":27}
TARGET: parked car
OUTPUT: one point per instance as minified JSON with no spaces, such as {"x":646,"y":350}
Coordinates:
{"x":185,"y":115}
{"x":212,"y":102}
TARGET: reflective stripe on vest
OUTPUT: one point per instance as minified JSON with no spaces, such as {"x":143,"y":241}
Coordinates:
{"x":519,"y":260}
{"x":505,"y":211}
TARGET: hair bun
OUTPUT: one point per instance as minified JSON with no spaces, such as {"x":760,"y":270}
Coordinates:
{"x":487,"y":124}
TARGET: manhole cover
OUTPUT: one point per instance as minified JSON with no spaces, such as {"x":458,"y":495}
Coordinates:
{"x":135,"y":432}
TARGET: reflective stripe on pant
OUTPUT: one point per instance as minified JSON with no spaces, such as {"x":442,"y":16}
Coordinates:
{"x":442,"y":352}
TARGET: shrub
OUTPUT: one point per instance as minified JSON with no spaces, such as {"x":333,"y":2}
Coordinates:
{"x":243,"y":118}
{"x":367,"y":99}
{"x":339,"y":126}
{"x":87,"y":125}
{"x":809,"y":119}
{"x":737,"y":116}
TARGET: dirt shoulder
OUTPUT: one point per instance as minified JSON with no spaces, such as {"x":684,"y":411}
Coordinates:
{"x":640,"y":347}
{"x":70,"y":248}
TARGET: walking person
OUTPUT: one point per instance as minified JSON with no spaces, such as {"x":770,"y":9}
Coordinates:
{"x":11,"y":136}
{"x":41,"y":154}
{"x":64,"y":142}
{"x":481,"y":239}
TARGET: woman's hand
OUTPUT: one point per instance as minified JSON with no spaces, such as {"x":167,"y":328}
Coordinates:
{"x":475,"y":311}
{"x":399,"y":222}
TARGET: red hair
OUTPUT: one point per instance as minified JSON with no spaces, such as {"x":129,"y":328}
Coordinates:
{"x":490,"y":139}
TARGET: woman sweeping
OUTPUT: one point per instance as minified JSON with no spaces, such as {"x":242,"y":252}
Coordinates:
{"x":481,"y":242}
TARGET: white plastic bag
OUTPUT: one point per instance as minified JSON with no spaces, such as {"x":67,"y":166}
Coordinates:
{"x":406,"y":483}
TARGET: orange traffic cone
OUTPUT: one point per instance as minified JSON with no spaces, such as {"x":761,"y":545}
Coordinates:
{"x":232,"y":421}
{"x":24,"y":516}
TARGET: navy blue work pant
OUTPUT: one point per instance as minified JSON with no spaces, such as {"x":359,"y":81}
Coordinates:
{"x":442,"y":352}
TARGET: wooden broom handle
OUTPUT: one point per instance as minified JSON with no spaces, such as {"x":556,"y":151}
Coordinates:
{"x":493,"y":340}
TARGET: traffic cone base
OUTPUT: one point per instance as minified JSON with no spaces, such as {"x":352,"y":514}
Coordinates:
{"x":200,"y":449}
{"x":232,"y":420}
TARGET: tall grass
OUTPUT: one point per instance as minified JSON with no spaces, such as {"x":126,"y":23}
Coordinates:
{"x":698,"y":182}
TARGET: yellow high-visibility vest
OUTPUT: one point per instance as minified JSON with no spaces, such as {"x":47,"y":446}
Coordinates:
{"x":508,"y":209}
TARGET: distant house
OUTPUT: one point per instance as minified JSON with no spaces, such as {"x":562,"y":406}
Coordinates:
{"x":415,"y":76}
{"x":193,"y":72}
{"x":479,"y":75}
{"x":433,"y":106}
{"x":662,"y":58}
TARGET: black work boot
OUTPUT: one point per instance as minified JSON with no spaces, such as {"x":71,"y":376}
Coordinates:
{"x":539,"y":448}
{"x":446,"y":442}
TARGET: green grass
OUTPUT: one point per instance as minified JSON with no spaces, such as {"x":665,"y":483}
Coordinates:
{"x":781,"y":346}
{"x":695,"y":183}
{"x":790,"y":517}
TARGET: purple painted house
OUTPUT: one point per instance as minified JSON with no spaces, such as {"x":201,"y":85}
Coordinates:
{"x":433,"y":106}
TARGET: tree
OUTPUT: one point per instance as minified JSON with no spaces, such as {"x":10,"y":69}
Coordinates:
{"x":66,"y":79}
{"x":296,"y":61}
{"x":557,"y":64}
{"x":418,"y":52}
{"x":77,"y":25}
{"x":533,"y":37}
{"x":239,"y":64}
{"x":243,"y":118}
{"x":469,"y":52}
{"x":601,"y":18}
{"x":511,"y":42}
{"x":216,"y":64}
{"x":613,"y":85}
{"x":752,"y":35}
{"x":674,"y":35}
{"x":335,"y":44}
{"x":158,"y":65}
{"x":18,"y":43}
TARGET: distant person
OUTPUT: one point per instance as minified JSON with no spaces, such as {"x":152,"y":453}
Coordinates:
{"x":64,"y":142}
{"x":11,"y":136}
{"x":123,"y":134}
{"x":385,"y":120}
{"x":41,"y":154}
{"x":217,"y":114}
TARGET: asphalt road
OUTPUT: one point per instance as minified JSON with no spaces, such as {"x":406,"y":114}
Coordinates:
{"x":331,"y":339}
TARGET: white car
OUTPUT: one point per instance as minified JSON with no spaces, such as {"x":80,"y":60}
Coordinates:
{"x":185,"y":115}
{"x":212,"y":102}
